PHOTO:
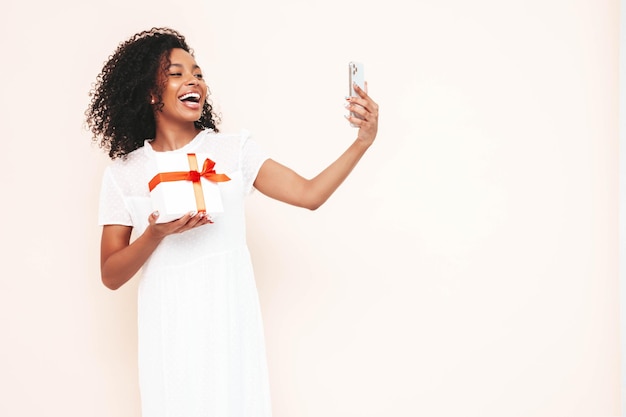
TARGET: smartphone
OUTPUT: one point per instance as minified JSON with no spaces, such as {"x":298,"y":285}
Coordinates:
{"x":356,"y":75}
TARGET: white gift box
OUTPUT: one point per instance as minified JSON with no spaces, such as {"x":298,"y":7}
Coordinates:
{"x":178,"y":187}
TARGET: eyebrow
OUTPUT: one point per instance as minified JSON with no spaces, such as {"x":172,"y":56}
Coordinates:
{"x":195,"y":66}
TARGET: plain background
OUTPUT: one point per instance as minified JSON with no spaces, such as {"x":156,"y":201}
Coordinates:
{"x":469,"y":266}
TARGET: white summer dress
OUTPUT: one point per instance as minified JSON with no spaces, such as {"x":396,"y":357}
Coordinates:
{"x":201,"y":343}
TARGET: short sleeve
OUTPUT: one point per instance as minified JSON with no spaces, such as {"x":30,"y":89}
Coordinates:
{"x":113,"y":209}
{"x":252,"y":158}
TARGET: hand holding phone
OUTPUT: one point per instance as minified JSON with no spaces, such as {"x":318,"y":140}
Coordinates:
{"x":356,"y":76}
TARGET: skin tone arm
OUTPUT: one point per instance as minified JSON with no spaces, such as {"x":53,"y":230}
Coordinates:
{"x":283,"y":184}
{"x":120,"y":260}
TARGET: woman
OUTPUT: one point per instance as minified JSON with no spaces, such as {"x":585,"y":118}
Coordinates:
{"x":201,"y":346}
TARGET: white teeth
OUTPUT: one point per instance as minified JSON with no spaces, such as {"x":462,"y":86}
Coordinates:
{"x":189,"y":95}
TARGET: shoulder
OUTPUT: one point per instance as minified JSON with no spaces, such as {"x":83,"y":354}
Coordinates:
{"x":127,"y":167}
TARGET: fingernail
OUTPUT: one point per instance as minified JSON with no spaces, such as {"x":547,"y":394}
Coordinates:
{"x":193,"y":213}
{"x":155,"y":214}
{"x":346,"y":105}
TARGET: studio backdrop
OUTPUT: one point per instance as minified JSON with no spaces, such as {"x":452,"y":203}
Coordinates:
{"x":468,"y":266}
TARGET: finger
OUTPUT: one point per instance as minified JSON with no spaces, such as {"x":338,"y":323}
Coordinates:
{"x":365,"y":108}
{"x":179,"y":225}
{"x":154,"y":216}
{"x":358,"y":109}
{"x":355,"y":120}
{"x":198,"y":220}
{"x":191,"y":220}
{"x":362,"y":92}
{"x":367,"y":103}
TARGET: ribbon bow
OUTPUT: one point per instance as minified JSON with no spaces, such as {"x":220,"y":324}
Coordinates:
{"x":192,"y":175}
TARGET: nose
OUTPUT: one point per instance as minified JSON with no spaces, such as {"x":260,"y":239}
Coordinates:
{"x":193,"y":80}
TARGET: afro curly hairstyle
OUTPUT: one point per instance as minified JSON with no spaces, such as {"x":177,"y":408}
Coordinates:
{"x":120,"y":116}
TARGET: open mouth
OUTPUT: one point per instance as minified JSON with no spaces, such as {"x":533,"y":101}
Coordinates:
{"x":190,"y":98}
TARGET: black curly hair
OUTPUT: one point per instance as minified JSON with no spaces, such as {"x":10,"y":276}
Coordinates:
{"x":120,"y":115}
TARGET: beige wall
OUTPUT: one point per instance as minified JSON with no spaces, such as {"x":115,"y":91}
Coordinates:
{"x":468,"y":267}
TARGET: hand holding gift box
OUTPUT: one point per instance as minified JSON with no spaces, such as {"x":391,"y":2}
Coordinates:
{"x":179,"y":187}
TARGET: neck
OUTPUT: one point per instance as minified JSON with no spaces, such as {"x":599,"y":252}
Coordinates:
{"x":171,"y":138}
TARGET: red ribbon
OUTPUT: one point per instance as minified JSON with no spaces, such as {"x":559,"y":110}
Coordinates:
{"x":192,"y":175}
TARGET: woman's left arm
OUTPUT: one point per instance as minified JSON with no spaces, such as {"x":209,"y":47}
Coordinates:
{"x":282,"y":183}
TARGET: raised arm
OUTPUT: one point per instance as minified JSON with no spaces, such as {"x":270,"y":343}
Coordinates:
{"x":282,"y":183}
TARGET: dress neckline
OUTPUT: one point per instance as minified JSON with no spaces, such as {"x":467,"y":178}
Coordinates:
{"x":149,"y":148}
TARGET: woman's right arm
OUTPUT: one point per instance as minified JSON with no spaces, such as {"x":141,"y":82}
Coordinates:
{"x":120,"y":260}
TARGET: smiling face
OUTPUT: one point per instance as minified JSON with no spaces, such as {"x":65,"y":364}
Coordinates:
{"x":183,"y":90}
